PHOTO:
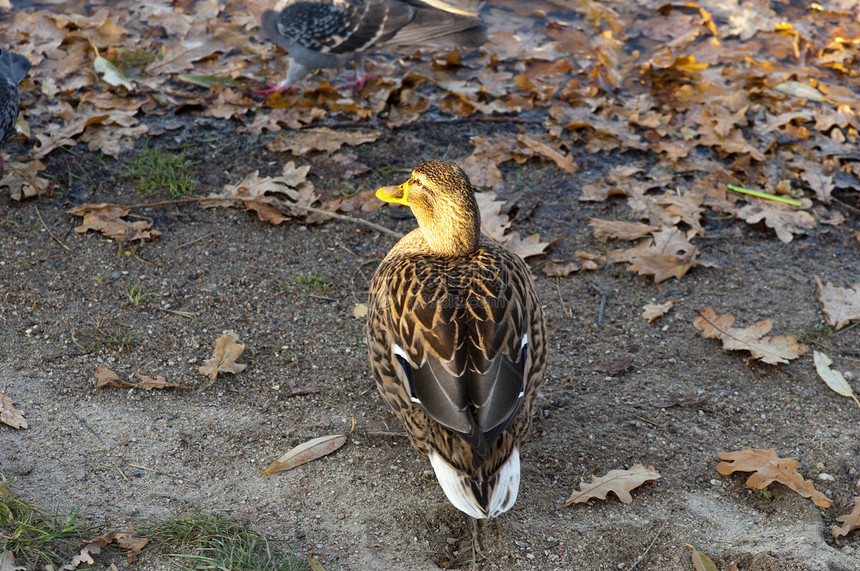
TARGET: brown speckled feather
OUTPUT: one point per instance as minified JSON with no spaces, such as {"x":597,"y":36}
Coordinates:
{"x":464,"y":329}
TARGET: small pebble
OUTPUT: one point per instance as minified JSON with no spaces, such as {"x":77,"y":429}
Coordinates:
{"x":826,"y":477}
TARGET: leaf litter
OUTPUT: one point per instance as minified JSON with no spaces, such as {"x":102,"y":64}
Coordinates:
{"x":770,"y":350}
{"x":620,"y":482}
{"x":227,"y":350}
{"x":767,"y":468}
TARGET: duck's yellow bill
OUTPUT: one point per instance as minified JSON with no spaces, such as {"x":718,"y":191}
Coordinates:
{"x":393,"y":194}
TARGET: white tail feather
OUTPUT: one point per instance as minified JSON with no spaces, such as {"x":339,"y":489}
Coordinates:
{"x":457,"y":486}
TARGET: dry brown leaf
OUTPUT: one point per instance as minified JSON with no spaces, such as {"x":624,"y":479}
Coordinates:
{"x":125,"y":540}
{"x":108,"y":219}
{"x":785,"y":220}
{"x":767,"y":468}
{"x":618,"y":481}
{"x":850,"y":522}
{"x":9,"y":414}
{"x":495,"y":225}
{"x":303,"y":453}
{"x":702,"y":562}
{"x":7,"y":558}
{"x":320,"y":139}
{"x":269,"y":197}
{"x":227,"y":350}
{"x":23,"y":180}
{"x":770,"y":350}
{"x":583,"y":262}
{"x":840,"y":304}
{"x":605,"y":229}
{"x":652,"y":311}
{"x":106,"y":377}
{"x":668,"y":255}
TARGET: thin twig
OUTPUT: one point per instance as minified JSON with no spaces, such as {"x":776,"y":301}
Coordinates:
{"x":51,"y":234}
{"x":90,"y":428}
{"x":194,"y":241}
{"x":274,"y":203}
{"x":603,"y":296}
{"x":653,"y":541}
{"x":165,"y":474}
{"x":561,"y":299}
{"x":187,"y":314}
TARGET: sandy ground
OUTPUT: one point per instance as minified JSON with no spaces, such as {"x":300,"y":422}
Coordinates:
{"x":123,"y":456}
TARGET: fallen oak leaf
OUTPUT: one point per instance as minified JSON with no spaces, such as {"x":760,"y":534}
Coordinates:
{"x":840,"y":304}
{"x":605,"y":229}
{"x":583,"y":262}
{"x":106,"y":377}
{"x":834,"y":379}
{"x":618,"y":481}
{"x":108,"y":219}
{"x":496,"y":225}
{"x":652,"y":311}
{"x":227,"y":350}
{"x":9,"y":414}
{"x":305,"y":452}
{"x":771,"y":350}
{"x":320,"y":139}
{"x":125,"y":540}
{"x":850,"y":522}
{"x":768,"y":467}
{"x":23,"y":180}
{"x":668,"y":255}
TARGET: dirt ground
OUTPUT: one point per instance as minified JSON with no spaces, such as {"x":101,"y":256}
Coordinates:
{"x":124,"y":456}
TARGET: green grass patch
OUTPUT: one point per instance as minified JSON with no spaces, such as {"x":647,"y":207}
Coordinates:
{"x":156,"y":169}
{"x":39,"y":539}
{"x":315,"y":282}
{"x":35,"y":537}
{"x":210,"y":541}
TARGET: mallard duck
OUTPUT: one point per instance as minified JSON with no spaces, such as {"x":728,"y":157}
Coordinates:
{"x":456,"y":341}
{"x":13,"y":68}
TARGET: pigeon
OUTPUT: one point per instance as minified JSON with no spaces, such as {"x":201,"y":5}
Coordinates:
{"x":324,"y":33}
{"x":13,"y":68}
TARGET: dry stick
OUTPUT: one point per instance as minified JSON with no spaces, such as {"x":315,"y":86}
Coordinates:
{"x":51,"y":234}
{"x":343,"y":217}
{"x":653,"y":541}
{"x":603,"y":296}
{"x":186,"y":478}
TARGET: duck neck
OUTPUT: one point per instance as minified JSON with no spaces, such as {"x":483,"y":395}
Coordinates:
{"x":451,"y":234}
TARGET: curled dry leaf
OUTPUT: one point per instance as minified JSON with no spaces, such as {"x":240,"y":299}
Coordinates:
{"x":652,"y":311}
{"x":23,"y":180}
{"x":702,"y":562}
{"x":303,"y":453}
{"x":227,"y":350}
{"x":850,"y":522}
{"x":767,"y":468}
{"x":841,"y":304}
{"x":668,"y":255}
{"x":583,"y":262}
{"x":7,"y":558}
{"x":496,"y":225}
{"x":9,"y":414}
{"x":159,"y":382}
{"x":834,"y":379}
{"x":108,"y":219}
{"x":605,"y":229}
{"x":784,"y":219}
{"x":107,"y":377}
{"x":618,"y":481}
{"x":125,"y":540}
{"x":770,"y":350}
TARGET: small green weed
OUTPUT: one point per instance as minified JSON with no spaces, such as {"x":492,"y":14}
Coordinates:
{"x":215,"y":542}
{"x":815,"y":335}
{"x":136,"y":294}
{"x":316,"y":282}
{"x":116,"y":338}
{"x":37,"y":538}
{"x":157,"y":168}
